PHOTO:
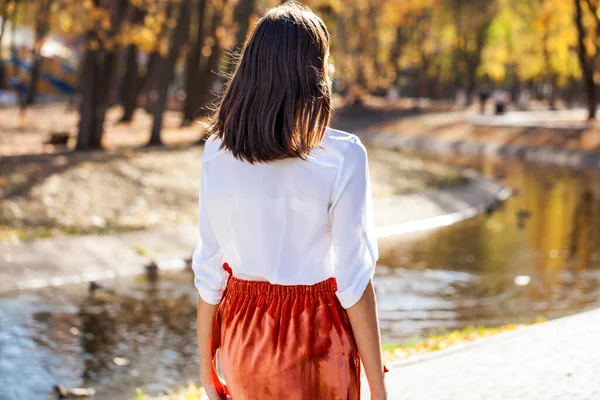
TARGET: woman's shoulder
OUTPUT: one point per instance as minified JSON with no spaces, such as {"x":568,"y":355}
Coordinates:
{"x":343,"y":144}
{"x":340,"y":139}
{"x":212,"y":147}
{"x":336,"y":148}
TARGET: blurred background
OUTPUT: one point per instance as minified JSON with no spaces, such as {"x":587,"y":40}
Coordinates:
{"x":452,"y":98}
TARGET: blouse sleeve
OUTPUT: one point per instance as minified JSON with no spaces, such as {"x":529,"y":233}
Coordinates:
{"x":353,"y":226}
{"x":207,"y":260}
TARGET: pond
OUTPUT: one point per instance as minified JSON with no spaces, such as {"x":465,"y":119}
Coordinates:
{"x":538,"y":256}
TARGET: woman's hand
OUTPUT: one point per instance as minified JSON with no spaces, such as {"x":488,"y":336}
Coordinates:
{"x":363,"y":318}
{"x":380,"y":395}
{"x":206,"y":314}
{"x":211,"y":393}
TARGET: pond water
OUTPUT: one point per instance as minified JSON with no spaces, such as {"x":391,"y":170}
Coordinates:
{"x":537,"y":256}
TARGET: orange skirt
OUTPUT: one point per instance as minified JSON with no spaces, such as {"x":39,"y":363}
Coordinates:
{"x":284,"y":342}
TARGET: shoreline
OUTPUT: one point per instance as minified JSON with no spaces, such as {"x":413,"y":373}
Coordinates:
{"x":101,"y":257}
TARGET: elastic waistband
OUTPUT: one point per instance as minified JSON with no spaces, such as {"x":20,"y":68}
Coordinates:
{"x":257,"y":288}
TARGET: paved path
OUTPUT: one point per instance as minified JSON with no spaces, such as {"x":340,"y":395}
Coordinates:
{"x":559,"y":360}
{"x":63,"y":260}
{"x":546,"y":137}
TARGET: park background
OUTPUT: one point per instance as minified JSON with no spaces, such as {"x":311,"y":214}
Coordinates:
{"x":484,"y":149}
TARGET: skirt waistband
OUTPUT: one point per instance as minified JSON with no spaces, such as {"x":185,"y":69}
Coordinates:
{"x":236,"y":285}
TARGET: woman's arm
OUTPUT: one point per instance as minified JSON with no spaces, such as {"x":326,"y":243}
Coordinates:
{"x":354,"y":242}
{"x":210,"y":280}
{"x":206,"y":314}
{"x":363,"y":318}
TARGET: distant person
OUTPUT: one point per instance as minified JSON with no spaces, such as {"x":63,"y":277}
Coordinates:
{"x":523,"y":99}
{"x":393,"y":94}
{"x":461,"y":97}
{"x":501,"y":100}
{"x":484,"y":95}
{"x":287,"y":236}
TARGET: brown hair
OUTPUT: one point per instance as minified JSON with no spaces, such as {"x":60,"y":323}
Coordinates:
{"x":277,"y":103}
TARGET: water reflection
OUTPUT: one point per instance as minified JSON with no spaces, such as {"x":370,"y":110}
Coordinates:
{"x":547,"y":231}
{"x":458,"y":276}
{"x":71,"y":337}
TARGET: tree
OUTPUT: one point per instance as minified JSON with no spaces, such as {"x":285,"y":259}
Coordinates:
{"x":587,"y":61}
{"x":192,"y":68}
{"x":41,"y":30}
{"x":132,"y":82}
{"x":532,"y":41}
{"x":99,"y":69}
{"x":5,"y":11}
{"x":242,"y":14}
{"x":166,"y":68}
{"x":471,"y":20}
{"x":212,"y":51}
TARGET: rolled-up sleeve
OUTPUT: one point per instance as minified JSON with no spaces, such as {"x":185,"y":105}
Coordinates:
{"x":353,"y":226}
{"x":207,"y":261}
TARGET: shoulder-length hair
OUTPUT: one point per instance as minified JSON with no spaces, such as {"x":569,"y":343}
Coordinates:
{"x":277,"y":103}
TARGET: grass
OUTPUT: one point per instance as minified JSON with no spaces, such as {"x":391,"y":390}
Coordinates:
{"x":191,"y":392}
{"x":444,"y":340}
{"x":391,"y":352}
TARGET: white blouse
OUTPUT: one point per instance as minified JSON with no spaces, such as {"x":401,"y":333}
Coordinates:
{"x":289,"y":222}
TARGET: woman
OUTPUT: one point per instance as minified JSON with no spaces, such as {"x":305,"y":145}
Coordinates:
{"x":287,"y":243}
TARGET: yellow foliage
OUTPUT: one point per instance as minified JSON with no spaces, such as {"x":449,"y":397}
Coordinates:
{"x":191,"y":392}
{"x":375,"y":42}
{"x":536,"y":38}
{"x":444,"y":341}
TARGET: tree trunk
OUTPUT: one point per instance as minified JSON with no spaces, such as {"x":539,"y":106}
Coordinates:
{"x":192,"y":68}
{"x":36,"y":62}
{"x":36,"y":66}
{"x":98,"y":76}
{"x":515,"y":84}
{"x":210,"y":65}
{"x":87,"y":118}
{"x":152,"y":76}
{"x":159,"y":106}
{"x":395,"y":53}
{"x":436,"y":87}
{"x":243,"y":11}
{"x":373,"y":38}
{"x":423,"y":77}
{"x":148,"y":84}
{"x":14,"y":54}
{"x":586,"y":64}
{"x":105,"y":82}
{"x":167,"y":69}
{"x":4,"y":16}
{"x":550,"y":80}
{"x":130,"y":85}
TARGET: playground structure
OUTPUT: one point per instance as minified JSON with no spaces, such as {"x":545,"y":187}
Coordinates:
{"x":58,"y":74}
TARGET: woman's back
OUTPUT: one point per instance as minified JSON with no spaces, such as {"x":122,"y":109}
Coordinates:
{"x":274,"y":220}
